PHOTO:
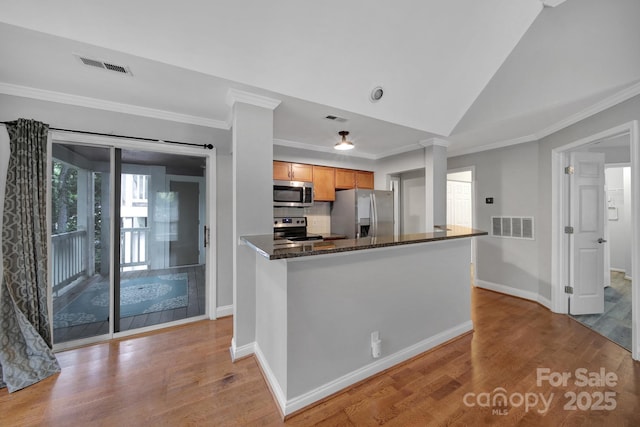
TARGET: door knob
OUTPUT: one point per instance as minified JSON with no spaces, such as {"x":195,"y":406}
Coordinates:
{"x":601,"y":240}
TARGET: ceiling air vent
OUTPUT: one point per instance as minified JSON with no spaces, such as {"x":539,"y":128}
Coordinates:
{"x":96,"y":63}
{"x":335,"y":118}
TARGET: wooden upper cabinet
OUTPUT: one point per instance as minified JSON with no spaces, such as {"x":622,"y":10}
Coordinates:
{"x":285,"y":171}
{"x":364,"y":179}
{"x":301,"y":172}
{"x":345,"y":179}
{"x":324,"y":184}
{"x":282,"y":171}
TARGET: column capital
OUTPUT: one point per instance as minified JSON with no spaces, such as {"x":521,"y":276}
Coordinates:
{"x":434,"y":141}
{"x":235,"y":95}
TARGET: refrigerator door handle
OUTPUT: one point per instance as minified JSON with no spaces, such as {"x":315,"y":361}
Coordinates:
{"x":374,"y":214}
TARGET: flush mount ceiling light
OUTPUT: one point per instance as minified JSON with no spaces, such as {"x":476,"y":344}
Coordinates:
{"x":343,"y":144}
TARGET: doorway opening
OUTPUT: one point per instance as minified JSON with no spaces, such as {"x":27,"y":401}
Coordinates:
{"x":461,"y":205}
{"x":584,"y":214}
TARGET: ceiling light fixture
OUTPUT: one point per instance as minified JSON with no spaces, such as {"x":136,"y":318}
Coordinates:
{"x":343,"y":144}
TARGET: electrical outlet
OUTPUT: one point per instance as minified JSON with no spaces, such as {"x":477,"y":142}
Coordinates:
{"x":376,"y":345}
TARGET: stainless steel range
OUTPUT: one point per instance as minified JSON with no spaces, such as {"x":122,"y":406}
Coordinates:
{"x":293,"y":229}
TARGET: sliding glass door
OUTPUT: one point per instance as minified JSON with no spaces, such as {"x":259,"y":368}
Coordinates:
{"x":127,"y":240}
{"x":161,"y":275}
{"x":80,"y":231}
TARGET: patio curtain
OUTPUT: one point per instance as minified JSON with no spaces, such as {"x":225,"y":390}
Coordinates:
{"x":26,"y":356}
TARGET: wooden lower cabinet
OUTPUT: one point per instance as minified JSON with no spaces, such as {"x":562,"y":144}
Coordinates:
{"x":324,"y":187}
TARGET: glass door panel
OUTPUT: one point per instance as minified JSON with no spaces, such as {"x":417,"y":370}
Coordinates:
{"x":80,"y":253}
{"x":161,"y":274}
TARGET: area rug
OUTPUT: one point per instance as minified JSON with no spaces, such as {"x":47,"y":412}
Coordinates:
{"x":137,"y":296}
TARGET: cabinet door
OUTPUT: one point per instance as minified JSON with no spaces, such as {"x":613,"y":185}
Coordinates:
{"x":282,"y":171}
{"x":345,"y":178}
{"x":364,"y":179}
{"x":301,"y":172}
{"x":324,"y":187}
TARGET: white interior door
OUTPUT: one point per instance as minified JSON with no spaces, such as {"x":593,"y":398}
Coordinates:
{"x":586,"y":243}
{"x":459,"y":199}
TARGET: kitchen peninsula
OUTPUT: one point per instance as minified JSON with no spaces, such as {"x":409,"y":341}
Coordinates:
{"x":321,"y":307}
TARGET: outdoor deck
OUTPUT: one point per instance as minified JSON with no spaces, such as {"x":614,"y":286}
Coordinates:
{"x":195,"y":307}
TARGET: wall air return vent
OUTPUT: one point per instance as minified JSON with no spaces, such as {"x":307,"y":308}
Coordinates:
{"x":108,"y":66}
{"x":515,"y":227}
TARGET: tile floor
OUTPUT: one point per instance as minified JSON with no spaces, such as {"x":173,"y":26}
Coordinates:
{"x":615,"y":322}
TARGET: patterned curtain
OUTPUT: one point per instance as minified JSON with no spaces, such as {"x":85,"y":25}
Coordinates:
{"x":25,"y":334}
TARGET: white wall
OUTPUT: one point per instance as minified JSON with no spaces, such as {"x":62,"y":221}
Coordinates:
{"x":510,"y":176}
{"x":519,"y":179}
{"x":412,"y":200}
{"x":397,"y":164}
{"x":224,"y":234}
{"x":619,"y":229}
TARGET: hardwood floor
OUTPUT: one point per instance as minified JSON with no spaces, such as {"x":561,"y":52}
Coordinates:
{"x":184,"y":376}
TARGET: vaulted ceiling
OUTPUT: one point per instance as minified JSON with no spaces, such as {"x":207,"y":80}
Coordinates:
{"x":476,"y":73}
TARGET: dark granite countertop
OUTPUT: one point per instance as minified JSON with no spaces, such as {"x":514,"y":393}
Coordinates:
{"x":266,"y":246}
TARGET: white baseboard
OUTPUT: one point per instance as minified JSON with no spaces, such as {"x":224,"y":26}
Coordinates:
{"x":627,"y":277}
{"x":617,"y":270}
{"x":295,"y":404}
{"x":520,"y":293}
{"x":274,"y":385}
{"x":225,"y":310}
{"x":242,"y":351}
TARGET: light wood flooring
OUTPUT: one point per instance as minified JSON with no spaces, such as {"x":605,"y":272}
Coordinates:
{"x":195,"y":307}
{"x":184,"y":376}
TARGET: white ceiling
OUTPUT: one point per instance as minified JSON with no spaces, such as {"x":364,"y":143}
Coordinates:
{"x":474,"y":73}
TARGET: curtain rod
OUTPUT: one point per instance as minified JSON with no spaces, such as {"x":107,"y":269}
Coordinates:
{"x":205,"y":146}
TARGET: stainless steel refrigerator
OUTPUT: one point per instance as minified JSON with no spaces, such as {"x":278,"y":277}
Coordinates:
{"x":362,"y":213}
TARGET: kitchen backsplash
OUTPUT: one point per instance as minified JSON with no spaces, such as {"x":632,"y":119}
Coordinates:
{"x":318,"y":216}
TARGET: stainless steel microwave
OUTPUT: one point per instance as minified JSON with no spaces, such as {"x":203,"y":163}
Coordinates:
{"x":292,"y":193}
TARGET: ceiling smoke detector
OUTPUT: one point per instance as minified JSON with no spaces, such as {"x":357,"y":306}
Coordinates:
{"x":376,"y":94}
{"x":108,"y":66}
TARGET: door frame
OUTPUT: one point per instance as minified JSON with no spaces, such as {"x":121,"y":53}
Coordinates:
{"x":474,"y":218}
{"x":201,"y":211}
{"x":62,"y":137}
{"x":559,"y":205}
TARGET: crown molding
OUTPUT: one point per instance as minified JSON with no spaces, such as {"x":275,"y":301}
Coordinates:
{"x":101,"y":104}
{"x":598,"y":107}
{"x":493,"y":146}
{"x":434,"y":141}
{"x":235,"y":95}
{"x":399,"y":150}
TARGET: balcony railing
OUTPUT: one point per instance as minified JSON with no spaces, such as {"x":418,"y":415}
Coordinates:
{"x":69,"y":257}
{"x":134,"y":247}
{"x":70,"y":254}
